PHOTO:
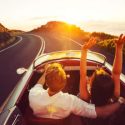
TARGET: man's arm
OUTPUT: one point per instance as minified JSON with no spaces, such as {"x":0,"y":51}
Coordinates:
{"x":107,"y":110}
{"x":84,"y":94}
{"x":117,"y":65}
{"x":82,"y":108}
{"x":42,"y":78}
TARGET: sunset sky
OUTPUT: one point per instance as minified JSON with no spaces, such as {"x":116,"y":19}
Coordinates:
{"x":29,"y":14}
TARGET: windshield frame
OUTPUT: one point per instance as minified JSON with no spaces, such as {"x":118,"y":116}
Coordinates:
{"x":69,"y":54}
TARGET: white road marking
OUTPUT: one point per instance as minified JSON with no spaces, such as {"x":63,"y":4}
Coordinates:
{"x":43,"y":43}
{"x":74,"y":41}
{"x":12,"y":45}
{"x":40,"y":51}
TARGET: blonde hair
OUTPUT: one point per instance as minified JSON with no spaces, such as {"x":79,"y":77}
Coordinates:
{"x":55,"y":77}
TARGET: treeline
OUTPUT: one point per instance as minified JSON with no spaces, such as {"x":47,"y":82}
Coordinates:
{"x":103,"y":36}
{"x":106,"y":41}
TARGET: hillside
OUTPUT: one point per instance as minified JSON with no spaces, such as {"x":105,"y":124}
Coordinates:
{"x":3,"y":29}
{"x":4,"y":34}
{"x":64,"y":29}
{"x":7,"y":37}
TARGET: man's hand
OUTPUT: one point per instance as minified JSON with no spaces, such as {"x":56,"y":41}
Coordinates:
{"x":121,"y":100}
{"x":42,"y":78}
{"x":90,"y":43}
{"x":46,"y":67}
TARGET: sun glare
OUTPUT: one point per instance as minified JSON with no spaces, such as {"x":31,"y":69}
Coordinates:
{"x":71,"y":20}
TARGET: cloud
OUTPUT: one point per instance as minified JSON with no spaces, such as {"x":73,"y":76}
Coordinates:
{"x":115,"y":28}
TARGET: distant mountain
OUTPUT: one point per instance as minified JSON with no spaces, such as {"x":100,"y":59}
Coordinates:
{"x":57,"y":26}
{"x":63,"y":29}
{"x":3,"y":29}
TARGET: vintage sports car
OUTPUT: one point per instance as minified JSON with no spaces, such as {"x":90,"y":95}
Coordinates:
{"x":17,"y":111}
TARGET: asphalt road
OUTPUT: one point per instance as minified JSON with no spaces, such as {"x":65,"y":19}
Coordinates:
{"x":54,"y":42}
{"x":19,"y":55}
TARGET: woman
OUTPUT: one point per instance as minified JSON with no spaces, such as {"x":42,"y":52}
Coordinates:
{"x":103,"y":86}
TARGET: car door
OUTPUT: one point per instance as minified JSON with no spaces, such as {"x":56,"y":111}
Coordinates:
{"x":12,"y":116}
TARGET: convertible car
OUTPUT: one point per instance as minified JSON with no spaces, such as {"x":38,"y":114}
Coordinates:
{"x":16,"y":111}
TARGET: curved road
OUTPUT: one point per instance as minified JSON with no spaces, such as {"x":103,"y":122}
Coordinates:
{"x":19,"y":55}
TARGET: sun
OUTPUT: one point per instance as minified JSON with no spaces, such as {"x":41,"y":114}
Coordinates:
{"x":70,"y":19}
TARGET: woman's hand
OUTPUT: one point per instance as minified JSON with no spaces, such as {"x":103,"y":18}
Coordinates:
{"x":117,"y":64}
{"x":120,"y":41}
{"x":89,"y":44}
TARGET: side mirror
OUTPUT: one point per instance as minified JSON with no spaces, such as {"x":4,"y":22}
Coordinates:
{"x":21,"y":71}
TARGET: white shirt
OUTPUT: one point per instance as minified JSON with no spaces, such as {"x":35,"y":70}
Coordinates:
{"x":59,"y":105}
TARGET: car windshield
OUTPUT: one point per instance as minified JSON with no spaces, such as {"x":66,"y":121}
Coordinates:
{"x":69,"y":54}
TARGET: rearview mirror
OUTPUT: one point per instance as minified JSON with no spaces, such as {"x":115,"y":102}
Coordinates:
{"x":20,"y":71}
